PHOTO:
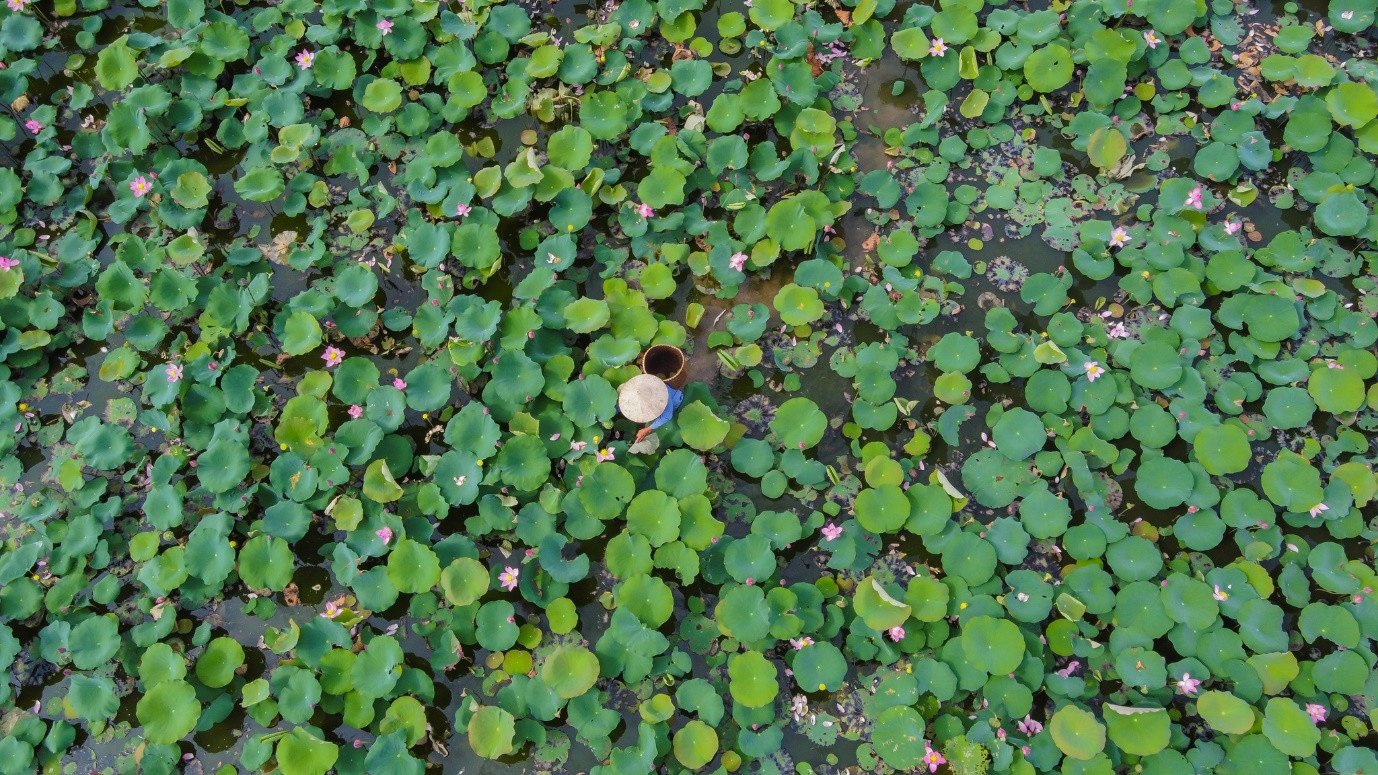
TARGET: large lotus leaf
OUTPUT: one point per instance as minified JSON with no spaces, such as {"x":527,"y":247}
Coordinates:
{"x":491,"y":732}
{"x":1222,"y":449}
{"x":1162,"y":482}
{"x":586,"y":315}
{"x":883,"y":509}
{"x":1077,"y":733}
{"x":168,"y":712}
{"x":1049,"y":68}
{"x":223,"y":466}
{"x":819,"y":667}
{"x":898,"y":737}
{"x":743,"y":613}
{"x":217,"y":663}
{"x":695,"y":744}
{"x":94,"y":641}
{"x":1019,"y":434}
{"x":700,"y":427}
{"x":1336,"y":389}
{"x":655,"y":515}
{"x":1292,"y":483}
{"x":993,"y":645}
{"x":570,"y":671}
{"x":1271,"y":318}
{"x":464,"y":581}
{"x":522,"y":462}
{"x":994,"y":480}
{"x":1155,"y":365}
{"x":301,"y":753}
{"x":799,"y":423}
{"x":429,"y":386}
{"x":379,"y":485}
{"x":1225,"y":712}
{"x":413,"y":566}
{"x":1137,"y":731}
{"x":752,"y":679}
{"x":877,"y":607}
{"x":797,"y":305}
{"x":375,"y":670}
{"x":92,"y":697}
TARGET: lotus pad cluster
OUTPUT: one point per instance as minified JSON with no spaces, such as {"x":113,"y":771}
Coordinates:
{"x":1030,"y":427}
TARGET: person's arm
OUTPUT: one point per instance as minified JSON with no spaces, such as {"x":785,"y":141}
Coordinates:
{"x":643,"y":433}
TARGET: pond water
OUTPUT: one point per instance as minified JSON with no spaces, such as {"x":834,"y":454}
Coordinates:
{"x":999,"y":250}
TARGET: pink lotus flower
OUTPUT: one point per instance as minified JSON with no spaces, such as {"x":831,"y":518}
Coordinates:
{"x":305,"y":59}
{"x":932,"y":758}
{"x":6,"y":264}
{"x":644,"y":210}
{"x":1194,"y":198}
{"x":1220,"y":594}
{"x":1029,"y":727}
{"x":1094,"y":371}
{"x":1119,"y":237}
{"x":1318,"y":509}
{"x":832,"y":532}
{"x":604,"y":455}
{"x":1152,"y":39}
{"x":578,"y":446}
{"x":384,"y":533}
{"x":174,"y":372}
{"x":17,"y":5}
{"x":33,"y":126}
{"x":333,"y":356}
{"x":1232,"y":227}
{"x":1316,"y":712}
{"x":463,"y":210}
{"x":356,"y":411}
{"x":800,"y":642}
{"x":140,"y":186}
{"x":509,"y":577}
{"x":938,"y":49}
{"x":1071,"y":667}
{"x":398,"y":383}
{"x":1188,"y":685}
{"x":384,"y":26}
{"x":737,"y":261}
{"x":896,"y":633}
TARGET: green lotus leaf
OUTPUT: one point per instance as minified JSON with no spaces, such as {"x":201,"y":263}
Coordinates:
{"x":1049,"y":68}
{"x":413,"y":567}
{"x":491,"y":732}
{"x":799,"y":423}
{"x":1336,"y":389}
{"x":993,"y":645}
{"x":819,"y":667}
{"x":379,"y":485}
{"x":1137,"y":731}
{"x":92,"y":698}
{"x":168,"y":712}
{"x":570,"y":671}
{"x":94,"y":641}
{"x":695,"y":744}
{"x":1077,"y":733}
{"x":1225,"y":712}
{"x":883,"y":509}
{"x":700,"y":427}
{"x":876,"y":607}
{"x":217,"y":663}
{"x":1222,"y":449}
{"x":797,"y":305}
{"x":898,"y":737}
{"x":752,"y":679}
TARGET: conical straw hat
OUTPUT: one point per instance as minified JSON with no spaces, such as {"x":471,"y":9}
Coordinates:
{"x":642,"y":398}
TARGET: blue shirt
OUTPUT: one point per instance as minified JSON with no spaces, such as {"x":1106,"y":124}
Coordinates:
{"x":676,"y":398}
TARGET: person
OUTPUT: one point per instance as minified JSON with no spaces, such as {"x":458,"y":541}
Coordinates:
{"x":647,"y":399}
